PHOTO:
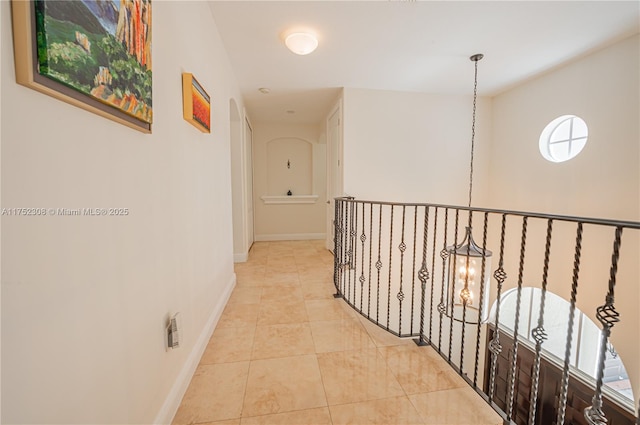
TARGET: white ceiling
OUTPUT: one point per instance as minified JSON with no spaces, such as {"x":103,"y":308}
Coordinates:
{"x":420,"y":46}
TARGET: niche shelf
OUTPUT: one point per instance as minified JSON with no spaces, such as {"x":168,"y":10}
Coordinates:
{"x":293,"y":199}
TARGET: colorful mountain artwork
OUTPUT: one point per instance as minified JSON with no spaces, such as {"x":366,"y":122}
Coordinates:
{"x":101,"y":48}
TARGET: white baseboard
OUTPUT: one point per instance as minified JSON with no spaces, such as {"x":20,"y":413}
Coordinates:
{"x":290,"y":237}
{"x":179,"y":388}
{"x":241,"y":258}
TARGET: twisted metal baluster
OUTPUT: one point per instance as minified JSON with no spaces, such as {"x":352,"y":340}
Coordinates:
{"x":370,"y":257}
{"x":348,"y":235}
{"x":340,"y":290}
{"x":481,"y":301}
{"x":494,"y":346}
{"x":379,"y":264}
{"x":539,"y":335}
{"x":608,"y":317}
{"x":433,"y":263}
{"x":354,"y":251}
{"x":451,"y":281}
{"x":402,"y":247}
{"x":413,"y":266}
{"x":390,"y":260}
{"x":349,"y":229}
{"x":564,"y":388}
{"x":336,"y":251}
{"x":444,"y":254}
{"x":512,"y":374}
{"x":363,"y":239}
{"x":423,"y":275}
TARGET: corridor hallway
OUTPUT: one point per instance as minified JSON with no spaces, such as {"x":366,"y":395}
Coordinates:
{"x":286,"y":352}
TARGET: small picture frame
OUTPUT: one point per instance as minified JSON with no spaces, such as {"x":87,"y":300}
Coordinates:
{"x":196,"y":103}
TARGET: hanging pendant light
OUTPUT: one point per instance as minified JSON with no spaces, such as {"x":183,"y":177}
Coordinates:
{"x":469,"y":264}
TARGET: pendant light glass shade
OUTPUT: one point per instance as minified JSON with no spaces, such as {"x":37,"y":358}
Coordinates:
{"x":467,"y":293}
{"x":467,"y":287}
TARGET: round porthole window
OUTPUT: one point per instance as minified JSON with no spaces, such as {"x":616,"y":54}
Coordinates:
{"x":563,"y":138}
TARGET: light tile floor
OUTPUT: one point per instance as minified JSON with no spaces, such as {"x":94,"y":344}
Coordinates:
{"x":286,"y":352}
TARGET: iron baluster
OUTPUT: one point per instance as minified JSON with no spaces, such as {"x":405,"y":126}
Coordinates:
{"x":402,"y":247}
{"x":363,"y":239}
{"x":379,"y":264}
{"x":433,"y":262}
{"x":350,"y":231}
{"x":494,"y":345}
{"x":423,"y":275}
{"x":354,"y":247}
{"x":341,"y":247}
{"x":451,"y":281}
{"x":564,"y":388}
{"x":481,"y":301}
{"x":370,"y":256}
{"x":444,"y":254}
{"x":413,"y":266}
{"x":336,"y":232}
{"x":608,"y":317}
{"x":349,"y":238}
{"x":390,"y":259}
{"x":538,"y":333}
{"x":512,"y":374}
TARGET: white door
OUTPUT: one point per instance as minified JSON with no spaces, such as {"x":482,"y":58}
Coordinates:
{"x":334,"y":170}
{"x":249,"y":178}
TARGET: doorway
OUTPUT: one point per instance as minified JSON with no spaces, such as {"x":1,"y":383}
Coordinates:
{"x":334,"y":170}
{"x":240,"y":142}
{"x":248,"y":140}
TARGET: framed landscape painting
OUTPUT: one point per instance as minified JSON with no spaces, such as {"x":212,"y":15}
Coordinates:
{"x":196,"y":103}
{"x":95,"y":54}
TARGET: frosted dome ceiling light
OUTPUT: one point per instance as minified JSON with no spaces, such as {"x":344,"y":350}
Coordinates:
{"x":301,"y":43}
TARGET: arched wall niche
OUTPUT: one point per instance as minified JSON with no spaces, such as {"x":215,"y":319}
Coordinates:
{"x":289,"y":166}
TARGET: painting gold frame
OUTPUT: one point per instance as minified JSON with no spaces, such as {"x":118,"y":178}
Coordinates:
{"x":196,"y":103}
{"x":26,"y":68}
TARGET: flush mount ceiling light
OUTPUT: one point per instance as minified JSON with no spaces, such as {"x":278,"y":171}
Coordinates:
{"x":301,"y":43}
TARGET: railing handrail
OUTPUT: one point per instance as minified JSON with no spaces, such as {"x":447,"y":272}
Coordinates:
{"x":404,"y":269}
{"x":559,"y":217}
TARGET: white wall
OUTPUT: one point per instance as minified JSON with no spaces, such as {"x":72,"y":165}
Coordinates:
{"x":85,"y":299}
{"x":238,"y":183}
{"x":273,"y":144}
{"x":414,"y":147}
{"x":602,"y":181}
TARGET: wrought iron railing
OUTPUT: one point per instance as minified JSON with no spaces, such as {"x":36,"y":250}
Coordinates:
{"x":392,"y":266}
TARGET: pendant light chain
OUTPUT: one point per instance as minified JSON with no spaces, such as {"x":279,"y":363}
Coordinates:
{"x":474,"y":58}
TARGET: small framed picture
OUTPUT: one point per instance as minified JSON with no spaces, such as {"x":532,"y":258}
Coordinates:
{"x":196,"y":103}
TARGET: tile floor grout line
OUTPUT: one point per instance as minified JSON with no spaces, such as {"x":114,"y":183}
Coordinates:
{"x":246,"y":382}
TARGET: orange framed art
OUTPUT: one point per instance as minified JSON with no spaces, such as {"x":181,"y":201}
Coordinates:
{"x":196,"y":103}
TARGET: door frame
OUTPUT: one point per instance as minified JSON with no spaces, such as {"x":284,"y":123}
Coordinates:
{"x":335,"y":173}
{"x":249,"y":222}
